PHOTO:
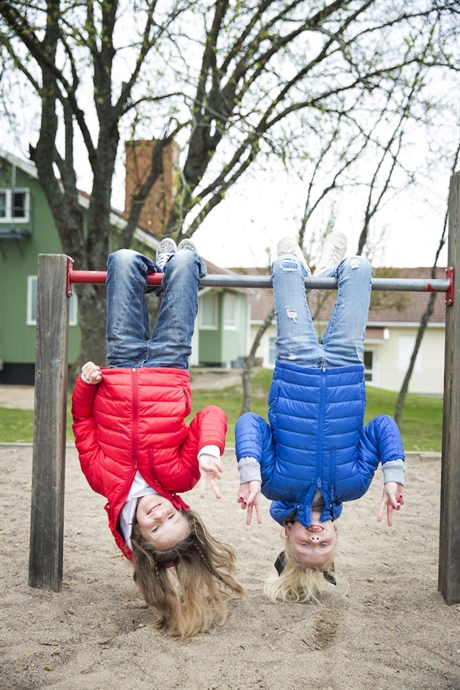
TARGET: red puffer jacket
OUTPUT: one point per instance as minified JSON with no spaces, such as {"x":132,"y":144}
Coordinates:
{"x":134,"y":420}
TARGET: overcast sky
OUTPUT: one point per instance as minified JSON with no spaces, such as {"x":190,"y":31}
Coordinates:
{"x":250,"y":220}
{"x":266,"y":206}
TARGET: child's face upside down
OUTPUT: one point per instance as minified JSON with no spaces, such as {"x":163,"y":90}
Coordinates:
{"x":160,"y":522}
{"x":313,"y":546}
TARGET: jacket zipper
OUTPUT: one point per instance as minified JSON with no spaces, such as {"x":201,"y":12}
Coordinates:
{"x":332,"y":481}
{"x":135,"y":417}
{"x":319,"y":450}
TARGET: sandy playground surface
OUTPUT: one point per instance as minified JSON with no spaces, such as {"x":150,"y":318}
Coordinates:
{"x":384,"y":626}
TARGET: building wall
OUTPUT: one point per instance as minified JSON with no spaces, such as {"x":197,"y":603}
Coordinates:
{"x":263,"y":351}
{"x":391,"y":358}
{"x":224,"y":343}
{"x":394,"y":356}
{"x":234,"y":333}
{"x":18,"y":261}
{"x":210,"y":345}
{"x":209,"y":334}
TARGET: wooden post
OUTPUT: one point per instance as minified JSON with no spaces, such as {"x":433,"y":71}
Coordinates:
{"x":449,"y":538}
{"x":47,"y":514}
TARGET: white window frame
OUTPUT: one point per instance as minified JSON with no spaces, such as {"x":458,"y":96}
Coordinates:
{"x":230,"y":312}
{"x":372,"y":371}
{"x":32,"y":304}
{"x":9,"y":218}
{"x":214,"y":325}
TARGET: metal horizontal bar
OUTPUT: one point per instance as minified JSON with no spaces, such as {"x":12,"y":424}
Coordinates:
{"x":249,"y":281}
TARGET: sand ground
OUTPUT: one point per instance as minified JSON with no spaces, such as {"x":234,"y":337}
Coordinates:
{"x":384,"y":626}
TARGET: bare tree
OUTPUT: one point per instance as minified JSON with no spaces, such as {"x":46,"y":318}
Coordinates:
{"x":249,"y":363}
{"x":231,"y":82}
{"x":319,"y":187}
{"x":426,"y":315}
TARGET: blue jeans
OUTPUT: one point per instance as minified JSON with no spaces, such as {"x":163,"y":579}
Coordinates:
{"x":342,"y":342}
{"x":128,"y":330}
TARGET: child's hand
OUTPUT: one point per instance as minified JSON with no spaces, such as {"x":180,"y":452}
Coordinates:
{"x":211,"y":469}
{"x":249,"y":498}
{"x":91,"y":373}
{"x":392,"y":499}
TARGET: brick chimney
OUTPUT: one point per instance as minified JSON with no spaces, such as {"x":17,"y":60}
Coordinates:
{"x":155,"y":213}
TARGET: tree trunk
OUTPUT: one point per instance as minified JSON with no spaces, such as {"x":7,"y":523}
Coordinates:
{"x":249,"y":364}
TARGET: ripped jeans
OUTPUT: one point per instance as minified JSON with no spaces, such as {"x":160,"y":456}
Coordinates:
{"x":342,"y":342}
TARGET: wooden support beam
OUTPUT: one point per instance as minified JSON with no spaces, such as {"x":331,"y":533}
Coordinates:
{"x":449,"y":538}
{"x":47,"y":514}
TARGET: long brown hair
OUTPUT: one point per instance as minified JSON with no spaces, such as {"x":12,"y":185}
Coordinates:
{"x":187,"y":583}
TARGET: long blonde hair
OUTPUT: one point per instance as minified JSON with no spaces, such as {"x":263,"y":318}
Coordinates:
{"x":295,"y":582}
{"x":203,"y":568}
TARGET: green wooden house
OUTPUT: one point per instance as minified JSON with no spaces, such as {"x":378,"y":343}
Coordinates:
{"x":27,"y":229}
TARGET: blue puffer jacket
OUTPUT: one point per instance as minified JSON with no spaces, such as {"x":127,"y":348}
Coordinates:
{"x":316,"y":440}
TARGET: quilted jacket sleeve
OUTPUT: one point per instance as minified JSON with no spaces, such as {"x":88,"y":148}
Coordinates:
{"x":381,"y":440}
{"x":253,"y":439}
{"x":251,"y":436}
{"x":85,"y":432}
{"x":210,"y":427}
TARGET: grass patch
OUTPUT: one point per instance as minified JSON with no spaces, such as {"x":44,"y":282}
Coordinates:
{"x":17,"y":426}
{"x":231,"y":399}
{"x":421,"y":425}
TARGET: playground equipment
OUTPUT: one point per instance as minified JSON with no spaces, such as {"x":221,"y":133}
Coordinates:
{"x":55,"y":279}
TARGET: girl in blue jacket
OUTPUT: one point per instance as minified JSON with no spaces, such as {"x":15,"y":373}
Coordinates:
{"x":316,"y":452}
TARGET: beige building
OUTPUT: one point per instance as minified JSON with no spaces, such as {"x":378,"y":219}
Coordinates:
{"x":394,"y":318}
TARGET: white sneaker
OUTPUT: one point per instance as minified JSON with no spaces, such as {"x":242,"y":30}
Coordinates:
{"x":186,"y":244}
{"x":290,"y":246}
{"x":166,"y":249}
{"x":332,"y":253}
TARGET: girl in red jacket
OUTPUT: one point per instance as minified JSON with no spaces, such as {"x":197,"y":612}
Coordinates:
{"x":136,"y":450}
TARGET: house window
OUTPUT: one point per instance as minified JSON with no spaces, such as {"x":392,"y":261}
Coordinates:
{"x":272,"y":350}
{"x":230,"y":306}
{"x":32,"y":304}
{"x":209,"y":311}
{"x":368,"y":365}
{"x":14,"y":205}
